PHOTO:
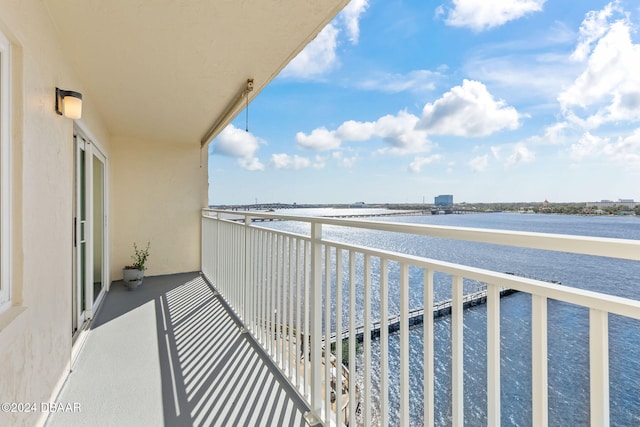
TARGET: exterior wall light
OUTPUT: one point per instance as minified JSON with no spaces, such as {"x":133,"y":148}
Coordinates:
{"x":69,"y":103}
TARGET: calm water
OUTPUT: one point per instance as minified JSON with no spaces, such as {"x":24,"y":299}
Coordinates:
{"x":568,"y":363}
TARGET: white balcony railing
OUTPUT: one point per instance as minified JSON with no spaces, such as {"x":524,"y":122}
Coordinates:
{"x":295,"y":289}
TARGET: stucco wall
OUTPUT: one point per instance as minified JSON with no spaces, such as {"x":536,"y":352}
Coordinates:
{"x":35,"y":335}
{"x":156,"y":191}
{"x":161,"y":187}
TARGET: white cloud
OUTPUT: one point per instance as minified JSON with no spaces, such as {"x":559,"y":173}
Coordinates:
{"x":525,"y":75}
{"x":400,"y":132}
{"x":450,"y":167}
{"x":419,"y":162}
{"x":512,"y":154}
{"x":468,"y":110}
{"x":341,"y":160}
{"x":417,"y":80}
{"x":480,"y":163}
{"x":356,"y":131}
{"x":559,"y":133}
{"x":555,"y":133}
{"x":318,"y":58}
{"x":285,"y":161}
{"x":594,"y":26}
{"x":350,"y":15}
{"x":235,"y":142}
{"x":481,"y":15}
{"x":627,"y":150}
{"x":519,"y":154}
{"x":319,"y":162}
{"x":588,"y":146}
{"x":320,"y":139}
{"x":251,"y":164}
{"x":624,"y":151}
{"x":608,"y":90}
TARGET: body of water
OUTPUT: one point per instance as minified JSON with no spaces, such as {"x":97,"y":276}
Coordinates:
{"x":568,"y":340}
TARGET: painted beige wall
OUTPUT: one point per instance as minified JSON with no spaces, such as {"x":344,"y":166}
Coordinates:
{"x":161,"y":187}
{"x":35,"y":335}
{"x":157,"y":189}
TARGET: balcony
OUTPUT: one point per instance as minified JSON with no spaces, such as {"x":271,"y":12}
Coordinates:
{"x":171,"y":353}
{"x":256,"y":352}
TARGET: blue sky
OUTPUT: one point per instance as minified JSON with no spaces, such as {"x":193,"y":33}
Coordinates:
{"x":488,"y":100}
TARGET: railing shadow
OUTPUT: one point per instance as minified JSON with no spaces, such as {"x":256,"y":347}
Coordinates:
{"x":212,"y":374}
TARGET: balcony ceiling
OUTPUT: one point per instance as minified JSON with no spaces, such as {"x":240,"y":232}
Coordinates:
{"x":168,"y":69}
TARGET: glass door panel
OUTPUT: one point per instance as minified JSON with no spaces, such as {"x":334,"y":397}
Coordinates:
{"x":98,"y":226}
{"x":80,"y":245}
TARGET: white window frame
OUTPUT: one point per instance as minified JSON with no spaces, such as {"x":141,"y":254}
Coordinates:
{"x":5,"y":173}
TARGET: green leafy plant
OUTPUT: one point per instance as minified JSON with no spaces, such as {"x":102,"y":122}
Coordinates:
{"x":139,"y":257}
{"x":345,"y":351}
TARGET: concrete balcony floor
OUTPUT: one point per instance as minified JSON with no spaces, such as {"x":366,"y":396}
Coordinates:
{"x":171,"y":353}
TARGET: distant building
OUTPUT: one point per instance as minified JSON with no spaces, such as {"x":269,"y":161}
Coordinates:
{"x":627,"y":203}
{"x":443,"y":200}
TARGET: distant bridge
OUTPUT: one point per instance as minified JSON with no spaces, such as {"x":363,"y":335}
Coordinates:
{"x":353,"y":213}
{"x":458,"y":211}
{"x":400,"y":212}
{"x":386,"y":213}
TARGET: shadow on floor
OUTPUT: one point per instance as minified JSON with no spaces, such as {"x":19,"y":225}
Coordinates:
{"x":211,"y":374}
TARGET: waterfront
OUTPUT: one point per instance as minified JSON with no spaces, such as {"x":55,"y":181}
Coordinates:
{"x":568,"y":326}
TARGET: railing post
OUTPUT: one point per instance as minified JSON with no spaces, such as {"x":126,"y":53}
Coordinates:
{"x":429,"y":374}
{"x":217,"y":257}
{"x":352,"y":336}
{"x":384,"y":343}
{"x":327,"y":338}
{"x":316,"y":318}
{"x":493,"y":355}
{"x":246,"y":287}
{"x":202,"y":243}
{"x":340,"y":417}
{"x":457,"y":352}
{"x":404,"y":345}
{"x":279,"y":277}
{"x":540,"y":396}
{"x":599,"y":366}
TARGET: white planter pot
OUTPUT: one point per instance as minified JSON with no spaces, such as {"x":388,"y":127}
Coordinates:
{"x":132,"y":277}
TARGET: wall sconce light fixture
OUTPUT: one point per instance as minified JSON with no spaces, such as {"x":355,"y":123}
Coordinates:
{"x":69,"y":103}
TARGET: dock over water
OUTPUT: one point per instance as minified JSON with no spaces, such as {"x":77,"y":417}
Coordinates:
{"x":416,"y":316}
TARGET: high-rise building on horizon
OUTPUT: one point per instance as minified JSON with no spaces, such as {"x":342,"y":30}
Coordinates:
{"x":443,"y":200}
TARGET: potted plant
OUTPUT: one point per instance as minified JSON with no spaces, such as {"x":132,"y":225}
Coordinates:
{"x":134,"y":273}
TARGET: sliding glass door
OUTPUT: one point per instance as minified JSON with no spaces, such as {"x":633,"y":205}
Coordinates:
{"x":89,"y":239}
